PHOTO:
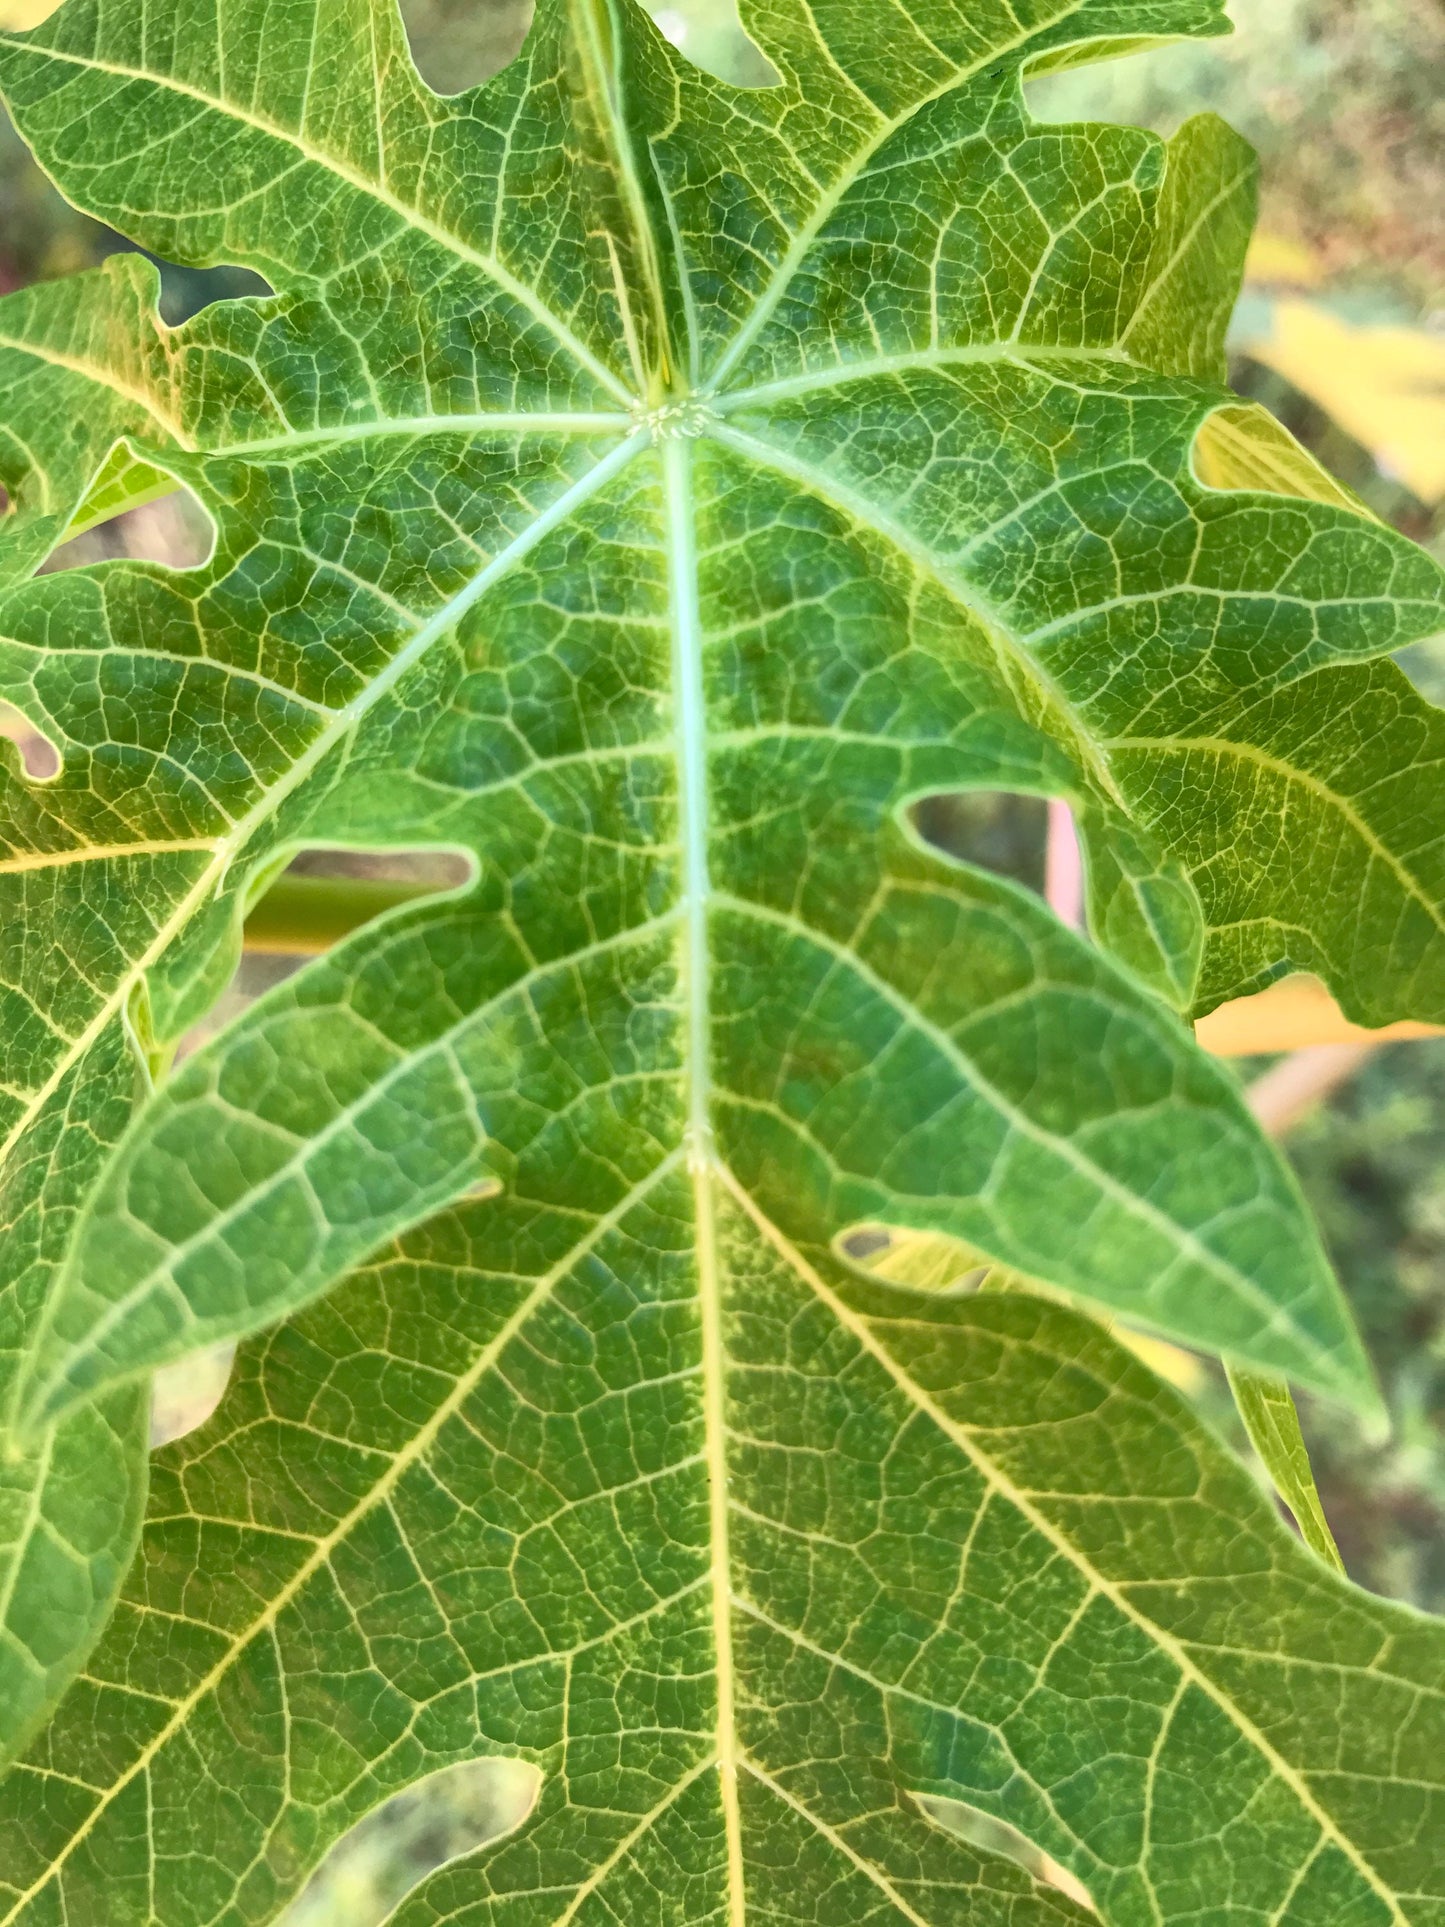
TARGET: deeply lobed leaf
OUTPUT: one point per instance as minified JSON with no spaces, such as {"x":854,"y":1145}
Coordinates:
{"x":651,"y":489}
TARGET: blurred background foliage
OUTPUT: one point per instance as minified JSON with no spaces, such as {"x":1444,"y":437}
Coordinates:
{"x":1341,"y":333}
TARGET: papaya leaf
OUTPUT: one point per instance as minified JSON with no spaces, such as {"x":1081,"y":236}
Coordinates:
{"x":968,"y":1551}
{"x":71,"y":1503}
{"x":652,"y":489}
{"x":1268,"y":1412}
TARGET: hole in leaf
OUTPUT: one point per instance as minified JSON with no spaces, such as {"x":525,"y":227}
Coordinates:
{"x":712,"y":35}
{"x":184,"y":1395}
{"x":124,"y":480}
{"x":326,"y":894}
{"x":370,"y":1871}
{"x":253,"y":977}
{"x":185,"y":291}
{"x":999,"y":830}
{"x":1243,"y":447}
{"x":989,"y":1835}
{"x":458,"y":44}
{"x":1064,"y":866}
{"x":1031,"y":840}
{"x":869,"y":1242}
{"x":1424,"y":664}
{"x":1077,"y":83}
{"x":175,"y":531}
{"x":39,"y":757}
{"x":426,"y":870}
{"x":922,"y":1260}
{"x":1336,"y":462}
{"x":323,"y":896}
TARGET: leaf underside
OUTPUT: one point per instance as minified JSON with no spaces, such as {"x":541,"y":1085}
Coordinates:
{"x":651,"y":489}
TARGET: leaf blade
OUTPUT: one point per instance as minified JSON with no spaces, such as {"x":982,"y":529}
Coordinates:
{"x":1270,"y":1418}
{"x":966,"y":1009}
{"x":855,"y":1692}
{"x":498,"y":570}
{"x":71,"y":1508}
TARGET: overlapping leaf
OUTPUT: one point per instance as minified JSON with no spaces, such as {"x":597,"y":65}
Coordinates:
{"x":650,"y":489}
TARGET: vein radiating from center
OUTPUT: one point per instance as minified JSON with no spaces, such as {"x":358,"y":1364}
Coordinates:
{"x":690,"y":712}
{"x":690,"y":725}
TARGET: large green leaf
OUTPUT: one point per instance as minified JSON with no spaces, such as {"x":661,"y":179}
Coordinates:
{"x":968,"y":1550}
{"x":650,"y":489}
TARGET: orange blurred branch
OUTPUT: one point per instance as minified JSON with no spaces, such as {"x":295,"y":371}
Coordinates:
{"x":1297,"y":1014}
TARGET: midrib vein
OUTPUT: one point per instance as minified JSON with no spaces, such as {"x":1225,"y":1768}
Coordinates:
{"x":715,"y":1452}
{"x":326,"y":739}
{"x":922,"y":361}
{"x":690,"y":733}
{"x":500,"y":422}
{"x":690,"y":726}
{"x":33,"y":860}
{"x":602,"y":77}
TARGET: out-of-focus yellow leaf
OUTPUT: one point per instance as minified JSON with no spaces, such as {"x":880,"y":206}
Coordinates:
{"x":19,"y":15}
{"x":1296,"y":1014}
{"x":1178,"y":1368}
{"x":1275,"y":261}
{"x":1385,"y":385}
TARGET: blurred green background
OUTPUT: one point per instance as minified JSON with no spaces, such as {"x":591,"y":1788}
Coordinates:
{"x":1342,"y":334}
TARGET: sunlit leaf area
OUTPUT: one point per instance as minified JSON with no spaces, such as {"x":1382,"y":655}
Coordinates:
{"x":722,"y":963}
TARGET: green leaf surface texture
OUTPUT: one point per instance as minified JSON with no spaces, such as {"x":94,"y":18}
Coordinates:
{"x":1268,"y":1412}
{"x":649,"y":489}
{"x":970,"y":1549}
{"x":71,"y":1502}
